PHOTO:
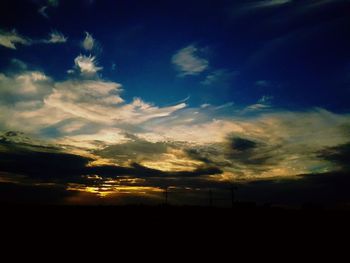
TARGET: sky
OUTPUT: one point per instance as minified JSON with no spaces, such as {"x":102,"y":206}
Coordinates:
{"x":112,"y":102}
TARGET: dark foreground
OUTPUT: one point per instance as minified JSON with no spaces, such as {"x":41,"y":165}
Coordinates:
{"x":175,"y":228}
{"x":168,"y":216}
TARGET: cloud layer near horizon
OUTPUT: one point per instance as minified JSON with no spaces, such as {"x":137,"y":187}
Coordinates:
{"x":89,"y":116}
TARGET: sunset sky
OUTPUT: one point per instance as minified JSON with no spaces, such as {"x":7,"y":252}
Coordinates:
{"x":111,"y":102}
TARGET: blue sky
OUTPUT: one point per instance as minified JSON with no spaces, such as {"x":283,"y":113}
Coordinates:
{"x":223,"y":90}
{"x":297,"y":49}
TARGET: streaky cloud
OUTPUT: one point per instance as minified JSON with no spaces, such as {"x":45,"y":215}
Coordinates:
{"x":56,"y":37}
{"x":10,"y":39}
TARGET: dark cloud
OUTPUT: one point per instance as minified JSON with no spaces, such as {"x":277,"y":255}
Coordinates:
{"x":339,"y":155}
{"x":240,"y":144}
{"x":11,"y":193}
{"x":40,"y":164}
{"x":40,"y":174}
{"x":47,"y":175}
{"x":236,"y":152}
{"x":49,"y":163}
{"x":328,"y":189}
{"x":139,"y":171}
{"x":203,"y":154}
{"x":136,"y":150}
{"x":251,"y":153}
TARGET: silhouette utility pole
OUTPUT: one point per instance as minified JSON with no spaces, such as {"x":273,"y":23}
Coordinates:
{"x":233,"y":196}
{"x":210,"y":198}
{"x":166,"y":195}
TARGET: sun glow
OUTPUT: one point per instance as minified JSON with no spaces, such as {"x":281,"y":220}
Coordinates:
{"x":108,"y":187}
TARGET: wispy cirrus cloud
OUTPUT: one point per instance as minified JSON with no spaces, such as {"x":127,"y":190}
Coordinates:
{"x":56,"y":37}
{"x":10,"y":39}
{"x":246,"y":7}
{"x":71,"y":105}
{"x":189,"y":62}
{"x":267,"y":3}
{"x":49,"y":4}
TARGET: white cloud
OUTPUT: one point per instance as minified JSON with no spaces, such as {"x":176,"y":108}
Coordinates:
{"x":29,"y":83}
{"x":188,"y":62}
{"x":89,"y":100}
{"x":10,"y":39}
{"x":89,"y":42}
{"x":86,"y":65}
{"x":56,"y":37}
{"x":38,"y":102}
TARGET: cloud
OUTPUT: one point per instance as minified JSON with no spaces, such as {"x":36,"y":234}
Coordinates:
{"x":50,"y":4}
{"x":89,"y":42}
{"x":339,"y":155}
{"x":12,"y":38}
{"x":18,"y":65}
{"x":43,"y":11}
{"x":31,"y":173}
{"x":282,"y":145}
{"x":41,"y":163}
{"x":250,"y":6}
{"x":262,"y":83}
{"x":100,"y":102}
{"x":265,"y":99}
{"x":135,"y":150}
{"x":33,"y":194}
{"x":86,"y":65}
{"x":219,"y":78}
{"x":188,"y":62}
{"x":242,"y":145}
{"x":263,"y":104}
{"x":56,"y":37}
{"x":326,"y":189}
{"x":91,"y":117}
{"x":151,"y":146}
{"x":267,"y":3}
{"x":24,"y":86}
{"x":41,"y":104}
{"x":34,"y":164}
